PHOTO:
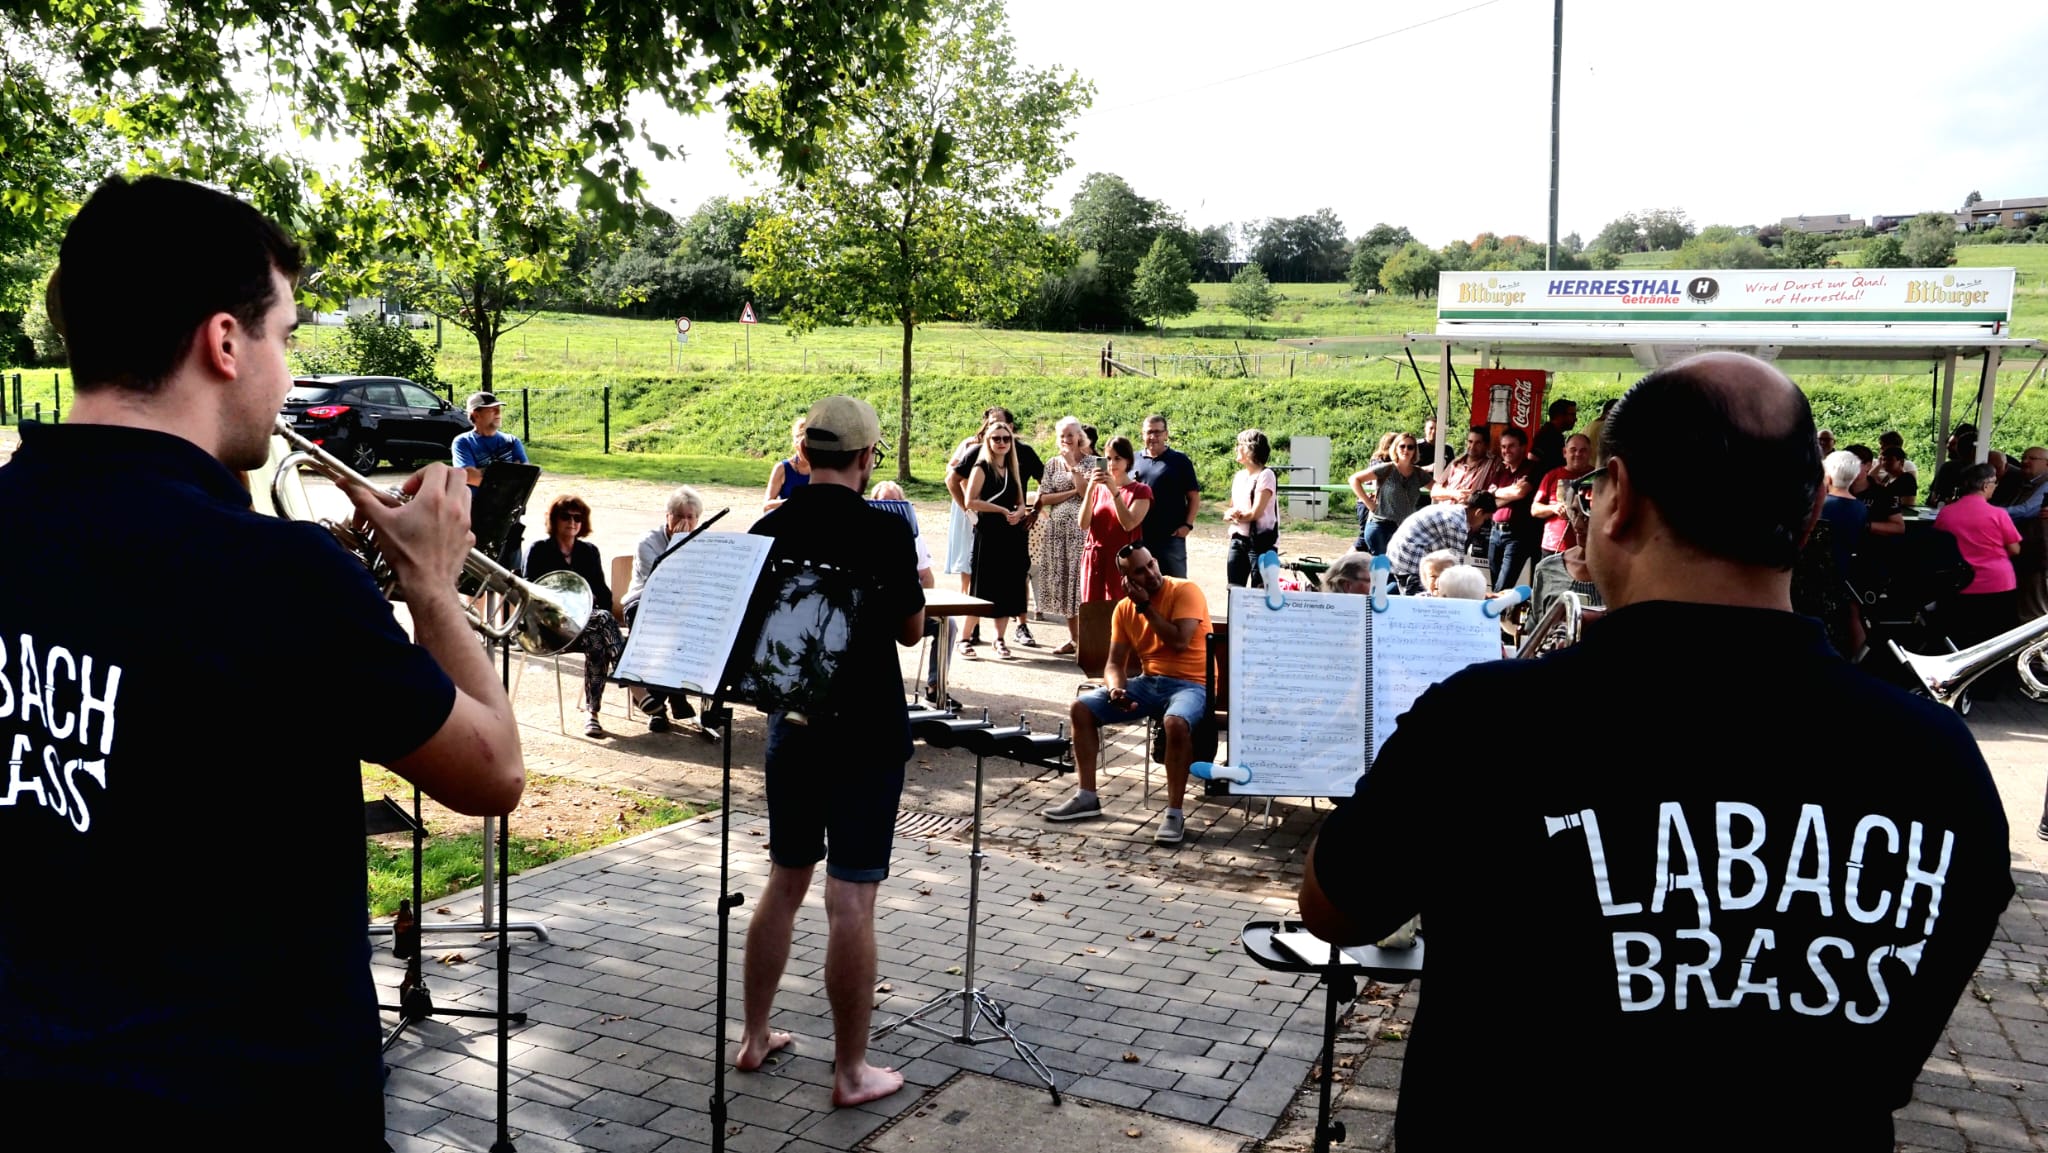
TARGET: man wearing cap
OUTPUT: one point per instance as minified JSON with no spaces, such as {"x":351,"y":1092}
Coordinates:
{"x":1741,"y":933}
{"x":833,"y":780}
{"x":483,"y":446}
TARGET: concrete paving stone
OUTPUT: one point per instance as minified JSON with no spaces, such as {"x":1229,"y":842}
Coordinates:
{"x":558,"y":973}
{"x":572,"y":995}
{"x":460,"y":1131}
{"x":621,"y":986}
{"x":555,"y":1013}
{"x":1984,"y":1129}
{"x":1246,"y":1122}
{"x":1988,"y":1067}
{"x":1139,"y":1074}
{"x":407,"y":1143}
{"x":421,"y":1058}
{"x":694,"y":1124}
{"x":760,"y":1111}
{"x":840,"y":1128}
{"x":1128,"y":1094}
{"x":624,"y":1078}
{"x":1191,"y":1064}
{"x":629,"y":1029}
{"x":473,"y":1100}
{"x":413,"y":1085}
{"x":622,"y":967}
{"x":557,"y":1037}
{"x":404,"y":1116}
{"x":618,"y":1053}
{"x":1236,"y":1054}
{"x":1169,"y":1041}
{"x":470,"y":1071}
{"x":926,"y":1072}
{"x":1183,"y":1106}
{"x":1297,"y":1044}
{"x":612,"y":1105}
{"x":548,"y":1120}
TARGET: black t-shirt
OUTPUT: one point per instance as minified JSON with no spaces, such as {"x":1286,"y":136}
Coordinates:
{"x":832,"y":524}
{"x":1172,"y":477}
{"x":174,"y":661}
{"x":545,"y":556}
{"x":1707,"y":902}
{"x":1547,"y":450}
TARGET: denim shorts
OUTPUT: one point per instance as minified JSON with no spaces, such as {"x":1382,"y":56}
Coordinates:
{"x":1155,"y":697}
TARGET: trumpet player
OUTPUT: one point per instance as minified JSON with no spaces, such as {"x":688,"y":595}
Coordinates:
{"x":168,"y":654}
{"x":1759,"y":891}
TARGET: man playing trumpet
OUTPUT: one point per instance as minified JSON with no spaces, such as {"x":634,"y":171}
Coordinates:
{"x":153,"y":625}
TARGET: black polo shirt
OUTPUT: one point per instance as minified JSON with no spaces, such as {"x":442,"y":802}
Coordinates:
{"x":1733,"y":908}
{"x":1171,"y":476}
{"x":187,"y":690}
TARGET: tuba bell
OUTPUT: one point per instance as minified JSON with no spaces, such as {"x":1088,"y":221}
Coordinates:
{"x":1562,"y":622}
{"x":1946,"y":676}
{"x":542,"y":617}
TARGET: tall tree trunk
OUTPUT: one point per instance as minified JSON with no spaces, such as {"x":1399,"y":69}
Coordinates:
{"x":486,"y":349}
{"x":903,"y":425}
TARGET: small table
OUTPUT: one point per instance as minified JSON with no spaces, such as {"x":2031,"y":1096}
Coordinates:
{"x":951,"y":603}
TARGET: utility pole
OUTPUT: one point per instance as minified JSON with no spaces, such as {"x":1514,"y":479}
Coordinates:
{"x":1556,"y":92}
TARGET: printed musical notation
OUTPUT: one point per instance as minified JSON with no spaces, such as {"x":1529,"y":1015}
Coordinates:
{"x":690,"y":613}
{"x":1301,"y":692}
{"x":1419,"y":641}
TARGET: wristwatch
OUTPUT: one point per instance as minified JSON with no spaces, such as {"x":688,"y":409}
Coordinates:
{"x":1189,"y":525}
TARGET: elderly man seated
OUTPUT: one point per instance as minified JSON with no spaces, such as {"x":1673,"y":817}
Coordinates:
{"x":684,"y":509}
{"x":1164,"y":621}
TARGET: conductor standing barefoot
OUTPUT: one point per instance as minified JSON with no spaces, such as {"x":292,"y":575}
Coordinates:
{"x":834,"y":780}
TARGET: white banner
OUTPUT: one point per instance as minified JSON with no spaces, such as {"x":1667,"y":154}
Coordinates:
{"x":1862,"y":296}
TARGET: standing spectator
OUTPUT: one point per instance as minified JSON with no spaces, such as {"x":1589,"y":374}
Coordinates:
{"x":1440,"y":526}
{"x":1254,"y":512}
{"x":1599,"y":424}
{"x":1962,"y":452}
{"x":1548,"y":450}
{"x":1397,"y":492}
{"x":1058,"y":536}
{"x":1176,"y":496}
{"x":833,"y":781}
{"x":600,"y":641}
{"x":939,"y":629}
{"x":1560,"y":490}
{"x":679,"y":520}
{"x":1384,"y":451}
{"x":790,"y":473}
{"x":1988,"y":540}
{"x":1114,"y":506}
{"x":1564,"y":572}
{"x":1425,"y":452}
{"x":995,"y":494}
{"x":1471,"y":472}
{"x":1826,"y":437}
{"x":1514,"y":530}
{"x":1033,"y":470}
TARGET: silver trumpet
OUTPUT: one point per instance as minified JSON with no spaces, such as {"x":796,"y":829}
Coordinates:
{"x":1560,"y":627}
{"x":1946,"y":676}
{"x":543,"y":616}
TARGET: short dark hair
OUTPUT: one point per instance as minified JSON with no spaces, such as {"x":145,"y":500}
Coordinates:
{"x":831,"y":459}
{"x":1089,"y":431}
{"x":1560,"y":407}
{"x":1516,"y":432}
{"x":1480,"y":429}
{"x":145,"y":263}
{"x":1975,"y":477}
{"x":1483,"y":501}
{"x":1153,"y":417}
{"x":1861,"y":452}
{"x":1121,"y":446}
{"x":1262,"y":448}
{"x":1891,"y":452}
{"x":996,"y":410}
{"x":1890,"y":437}
{"x":1678,"y":416}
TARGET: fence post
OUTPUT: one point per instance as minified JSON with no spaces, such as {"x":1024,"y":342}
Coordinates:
{"x":56,"y":399}
{"x":526,"y":415}
{"x":19,"y":410}
{"x":607,"y":420}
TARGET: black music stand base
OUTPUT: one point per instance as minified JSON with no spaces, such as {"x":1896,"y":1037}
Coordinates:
{"x":976,"y":1006}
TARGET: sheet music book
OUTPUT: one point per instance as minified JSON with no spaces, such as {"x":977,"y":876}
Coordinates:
{"x":1318,"y":684}
{"x":691,"y":611}
{"x":1301,"y":692}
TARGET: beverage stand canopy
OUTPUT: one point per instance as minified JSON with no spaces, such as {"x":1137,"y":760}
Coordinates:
{"x":1835,"y":320}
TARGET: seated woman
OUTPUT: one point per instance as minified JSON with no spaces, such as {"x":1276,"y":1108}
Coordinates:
{"x":683,"y":511}
{"x":1435,"y":565}
{"x":600,"y":642}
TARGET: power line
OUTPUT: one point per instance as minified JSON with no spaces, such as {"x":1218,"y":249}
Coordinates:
{"x":1291,"y":63}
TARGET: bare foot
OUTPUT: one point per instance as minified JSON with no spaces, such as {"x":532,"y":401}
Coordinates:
{"x":868,"y":1083}
{"x":751,"y":1056}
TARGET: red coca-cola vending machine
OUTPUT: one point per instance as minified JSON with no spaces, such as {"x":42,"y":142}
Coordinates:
{"x":1508,"y":396}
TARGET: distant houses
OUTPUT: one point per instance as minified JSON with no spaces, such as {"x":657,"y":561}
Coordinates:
{"x":1822,"y":225}
{"x":2017,"y":212}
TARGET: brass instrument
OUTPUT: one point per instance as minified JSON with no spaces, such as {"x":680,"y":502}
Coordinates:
{"x":1946,"y":676}
{"x":1561,"y":626}
{"x":543,"y":616}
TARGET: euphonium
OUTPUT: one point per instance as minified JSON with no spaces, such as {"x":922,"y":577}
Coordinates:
{"x":1946,"y":676}
{"x":543,"y":616}
{"x":1562,"y":622}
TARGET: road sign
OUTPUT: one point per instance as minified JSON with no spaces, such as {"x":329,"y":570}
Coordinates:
{"x":683,"y":325}
{"x":747,"y":313}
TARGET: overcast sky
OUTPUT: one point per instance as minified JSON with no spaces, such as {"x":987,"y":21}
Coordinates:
{"x":1736,"y":111}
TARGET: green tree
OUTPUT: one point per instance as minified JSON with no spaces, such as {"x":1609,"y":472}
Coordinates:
{"x":1107,"y":217}
{"x":1412,"y":270}
{"x":1722,"y":250}
{"x":1302,"y":248}
{"x":1212,"y":250}
{"x":1798,"y":249}
{"x":370,"y":347}
{"x":1251,"y":293}
{"x":1665,"y":229}
{"x":1928,"y":241}
{"x":925,"y":202}
{"x":1885,"y":252}
{"x":1370,"y":252}
{"x":1160,"y":289}
{"x":1622,"y":234}
{"x":718,"y":230}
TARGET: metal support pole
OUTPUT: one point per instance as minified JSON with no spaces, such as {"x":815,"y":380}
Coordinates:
{"x":1556,"y":104}
{"x":1987,"y":387}
{"x":607,"y":420}
{"x":1443,"y":409}
{"x":526,"y":415}
{"x":1948,"y":398}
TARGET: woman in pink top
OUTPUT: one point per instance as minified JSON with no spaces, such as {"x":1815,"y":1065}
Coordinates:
{"x":1985,"y":535}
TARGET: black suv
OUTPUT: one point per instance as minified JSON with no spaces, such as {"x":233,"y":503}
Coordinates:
{"x":364,"y":419}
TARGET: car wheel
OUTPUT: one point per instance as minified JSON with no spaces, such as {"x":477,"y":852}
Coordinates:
{"x":361,"y":456}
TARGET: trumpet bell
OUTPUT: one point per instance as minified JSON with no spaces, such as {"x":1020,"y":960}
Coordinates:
{"x":1946,"y":676}
{"x":557,"y":607}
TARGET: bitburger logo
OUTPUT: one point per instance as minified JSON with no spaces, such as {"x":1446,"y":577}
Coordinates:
{"x":1702,"y":289}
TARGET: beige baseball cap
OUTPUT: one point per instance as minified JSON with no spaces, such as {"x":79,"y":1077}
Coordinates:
{"x":842,"y":424}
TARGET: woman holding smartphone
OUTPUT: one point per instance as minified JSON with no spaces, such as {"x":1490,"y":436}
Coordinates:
{"x":1058,"y":538}
{"x":1116,"y":506}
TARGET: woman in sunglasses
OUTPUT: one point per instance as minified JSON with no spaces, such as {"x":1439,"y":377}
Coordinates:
{"x":1002,"y":553}
{"x":1397,"y":491}
{"x":565,"y":548}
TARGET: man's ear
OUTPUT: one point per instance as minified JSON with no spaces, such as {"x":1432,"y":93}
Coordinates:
{"x":1624,"y":511}
{"x":220,"y":344}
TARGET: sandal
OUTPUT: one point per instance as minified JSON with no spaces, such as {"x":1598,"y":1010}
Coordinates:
{"x":967,"y":650}
{"x":1065,"y":650}
{"x":1003,"y":650}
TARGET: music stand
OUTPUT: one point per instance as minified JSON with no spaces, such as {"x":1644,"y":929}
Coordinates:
{"x":497,"y":507}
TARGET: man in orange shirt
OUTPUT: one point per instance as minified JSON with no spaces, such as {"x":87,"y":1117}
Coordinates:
{"x":1165,"y":621}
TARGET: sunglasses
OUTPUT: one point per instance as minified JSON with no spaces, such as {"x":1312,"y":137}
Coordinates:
{"x":1404,"y":448}
{"x":1584,"y":489}
{"x":1000,"y":439}
{"x":574,"y":516}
